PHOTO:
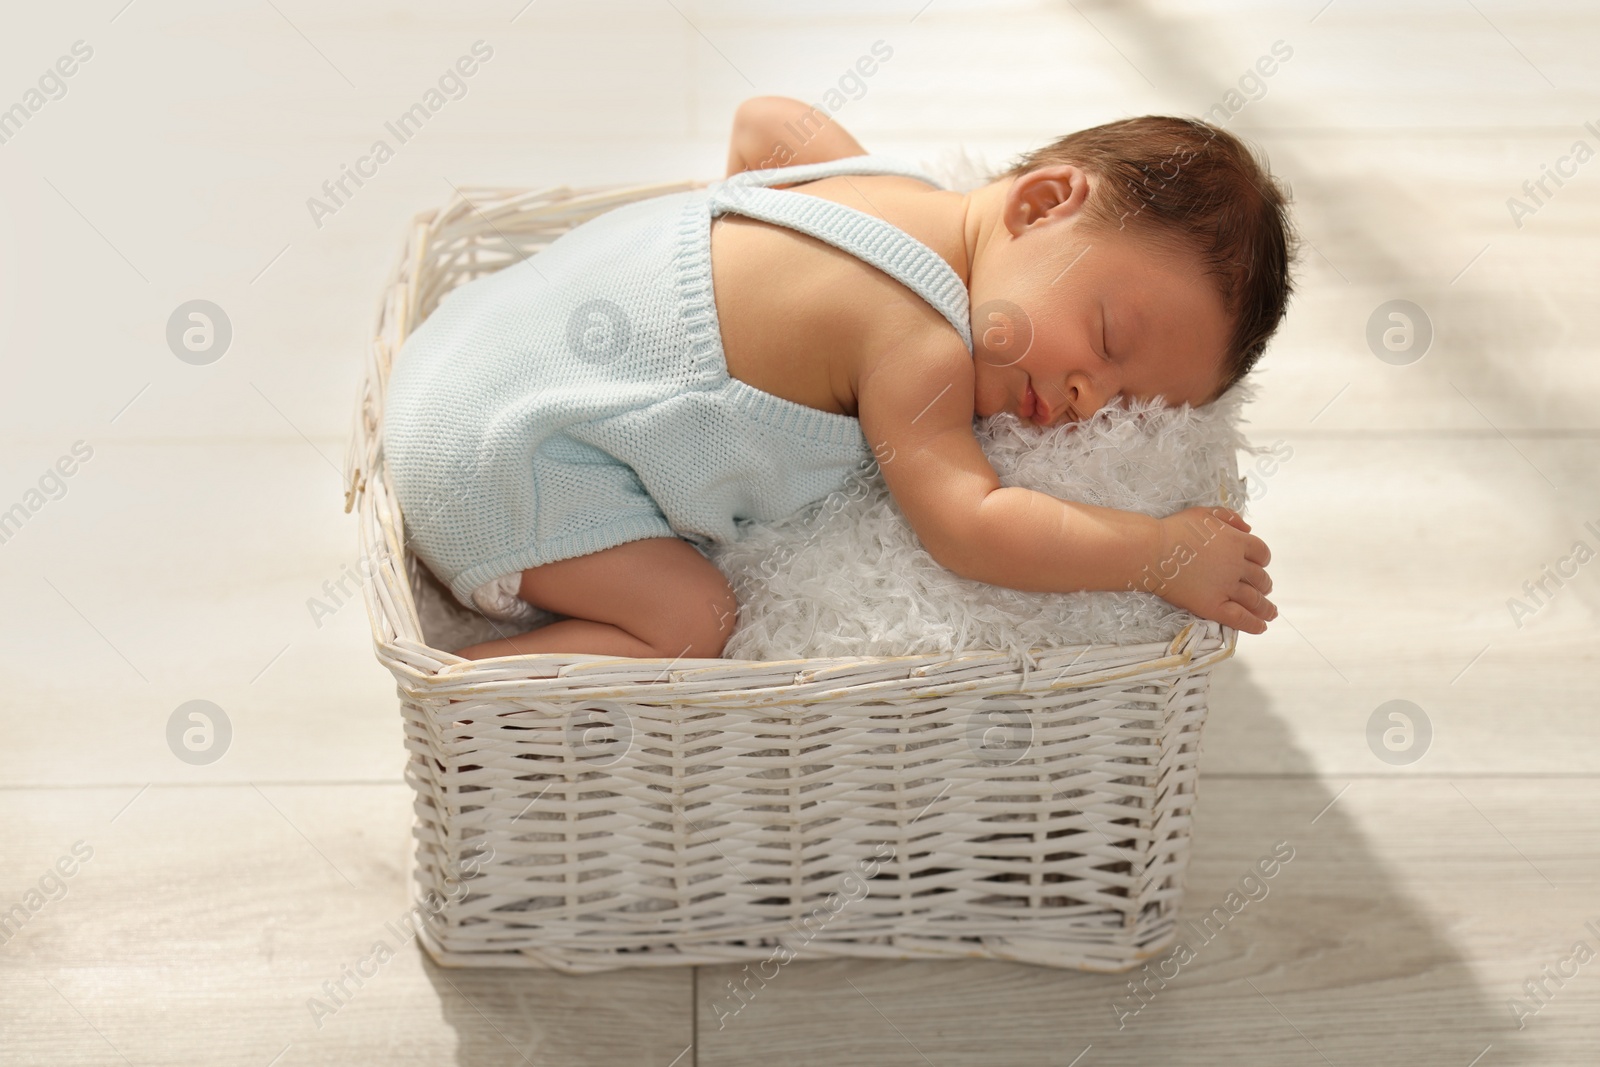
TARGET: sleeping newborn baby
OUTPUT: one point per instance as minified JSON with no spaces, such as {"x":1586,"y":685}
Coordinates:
{"x":594,"y":420}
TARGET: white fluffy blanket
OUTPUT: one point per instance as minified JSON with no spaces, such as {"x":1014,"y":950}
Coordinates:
{"x":848,"y":577}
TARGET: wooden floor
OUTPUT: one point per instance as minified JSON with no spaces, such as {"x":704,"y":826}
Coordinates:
{"x":209,"y":903}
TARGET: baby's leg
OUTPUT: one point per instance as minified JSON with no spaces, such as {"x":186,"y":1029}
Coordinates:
{"x":657,"y":597}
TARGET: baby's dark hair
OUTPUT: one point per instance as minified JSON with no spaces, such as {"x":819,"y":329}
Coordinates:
{"x":1186,"y":182}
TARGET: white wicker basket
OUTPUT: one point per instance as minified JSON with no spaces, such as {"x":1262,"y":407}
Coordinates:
{"x":583,"y":813}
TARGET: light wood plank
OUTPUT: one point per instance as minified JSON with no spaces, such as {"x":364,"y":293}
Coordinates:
{"x":1397,"y":933}
{"x":207,"y":919}
{"x":1393,"y":562}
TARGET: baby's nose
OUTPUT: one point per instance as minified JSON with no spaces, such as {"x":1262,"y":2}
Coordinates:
{"x":1085,"y":400}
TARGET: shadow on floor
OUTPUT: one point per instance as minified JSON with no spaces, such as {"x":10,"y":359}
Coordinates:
{"x":1343,"y":965}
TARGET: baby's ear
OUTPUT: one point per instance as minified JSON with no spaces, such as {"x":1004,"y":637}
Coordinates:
{"x":1046,"y":194}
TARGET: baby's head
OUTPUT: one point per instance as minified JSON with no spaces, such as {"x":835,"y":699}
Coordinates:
{"x":1144,"y":257}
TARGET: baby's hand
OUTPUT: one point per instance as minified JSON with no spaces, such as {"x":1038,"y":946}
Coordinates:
{"x":1212,"y":565}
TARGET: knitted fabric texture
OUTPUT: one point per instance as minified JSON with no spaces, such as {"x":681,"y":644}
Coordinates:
{"x":580,"y":399}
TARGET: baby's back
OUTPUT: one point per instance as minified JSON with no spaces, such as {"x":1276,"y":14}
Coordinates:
{"x":802,"y":319}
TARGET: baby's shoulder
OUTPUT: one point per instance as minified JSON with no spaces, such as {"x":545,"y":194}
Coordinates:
{"x":923,"y":360}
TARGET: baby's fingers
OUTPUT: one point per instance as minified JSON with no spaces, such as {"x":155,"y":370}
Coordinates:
{"x":1232,"y":518}
{"x":1256,"y":551}
{"x":1258,"y":577}
{"x":1252,"y":600}
{"x":1232,"y":613}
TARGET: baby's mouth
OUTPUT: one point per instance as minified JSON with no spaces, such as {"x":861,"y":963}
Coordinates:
{"x":1038,"y":413}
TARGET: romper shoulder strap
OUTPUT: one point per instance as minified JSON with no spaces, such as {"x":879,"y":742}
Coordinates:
{"x":867,"y":237}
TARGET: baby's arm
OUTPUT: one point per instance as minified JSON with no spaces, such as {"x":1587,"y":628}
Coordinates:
{"x":778,"y":131}
{"x":916,"y":412}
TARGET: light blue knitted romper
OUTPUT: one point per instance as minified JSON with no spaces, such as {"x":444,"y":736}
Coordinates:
{"x":580,"y":399}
